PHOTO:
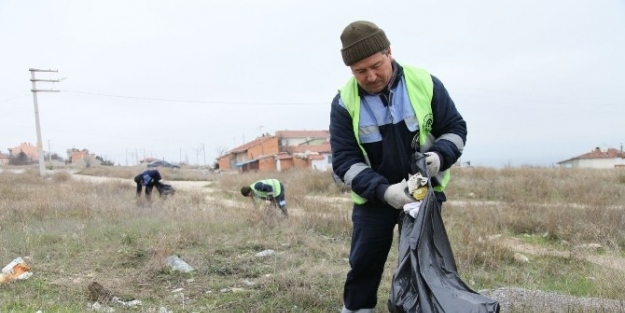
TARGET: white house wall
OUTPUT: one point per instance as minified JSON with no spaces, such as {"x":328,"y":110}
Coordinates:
{"x":321,"y":165}
{"x":597,"y":163}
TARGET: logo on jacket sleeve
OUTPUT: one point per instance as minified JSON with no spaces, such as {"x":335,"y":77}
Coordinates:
{"x":427,"y":123}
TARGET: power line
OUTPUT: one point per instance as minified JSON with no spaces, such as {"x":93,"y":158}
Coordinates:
{"x":14,"y":98}
{"x":551,"y":98}
{"x":194,"y":101}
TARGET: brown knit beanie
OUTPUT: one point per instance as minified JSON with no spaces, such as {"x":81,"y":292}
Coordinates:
{"x":245,"y":190}
{"x":362,"y":39}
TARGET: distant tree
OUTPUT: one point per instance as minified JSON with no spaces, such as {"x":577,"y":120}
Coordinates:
{"x":104,"y":162}
{"x":20,"y":159}
{"x":56,"y":157}
{"x":221,"y":151}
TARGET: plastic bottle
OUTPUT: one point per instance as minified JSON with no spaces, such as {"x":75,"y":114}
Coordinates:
{"x":177,"y":264}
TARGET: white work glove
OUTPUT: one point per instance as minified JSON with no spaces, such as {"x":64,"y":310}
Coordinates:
{"x":396,"y":195}
{"x":433,"y":162}
{"x":412,"y":208}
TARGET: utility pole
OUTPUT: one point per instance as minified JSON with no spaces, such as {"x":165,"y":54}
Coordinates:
{"x":49,"y":152}
{"x":197,"y":155}
{"x":34,"y":80}
{"x":142,"y":151}
{"x":132,"y":155}
{"x":204,"y":151}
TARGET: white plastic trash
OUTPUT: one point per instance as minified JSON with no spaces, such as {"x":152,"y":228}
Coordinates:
{"x":17,"y":269}
{"x":265,"y":253}
{"x":177,"y":264}
{"x":412,"y":208}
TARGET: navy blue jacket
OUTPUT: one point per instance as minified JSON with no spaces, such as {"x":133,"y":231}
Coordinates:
{"x":391,"y":156}
{"x":153,"y":174}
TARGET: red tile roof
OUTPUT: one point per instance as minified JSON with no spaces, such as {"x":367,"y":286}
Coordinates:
{"x":303,"y":134}
{"x":283,"y":156}
{"x":596,"y":153}
{"x":250,"y":144}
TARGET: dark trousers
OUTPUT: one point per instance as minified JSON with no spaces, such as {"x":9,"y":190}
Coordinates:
{"x":280,"y":200}
{"x":372,"y":238}
{"x":148,"y":188}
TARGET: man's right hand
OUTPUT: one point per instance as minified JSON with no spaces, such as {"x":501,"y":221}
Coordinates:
{"x":396,"y":195}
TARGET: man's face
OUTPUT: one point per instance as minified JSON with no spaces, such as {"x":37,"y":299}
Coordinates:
{"x":374,"y":73}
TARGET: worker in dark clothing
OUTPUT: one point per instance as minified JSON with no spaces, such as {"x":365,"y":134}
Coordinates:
{"x":385,"y":114}
{"x":268,"y":189}
{"x":149,"y":179}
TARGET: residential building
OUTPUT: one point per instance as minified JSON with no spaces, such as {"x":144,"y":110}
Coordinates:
{"x":247,"y":157}
{"x":284,"y":150}
{"x":597,"y":158}
{"x":82,"y":157}
{"x":29,"y":150}
{"x":4,"y":159}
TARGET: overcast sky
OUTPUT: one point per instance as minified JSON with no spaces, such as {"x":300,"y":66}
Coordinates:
{"x":538,"y":82}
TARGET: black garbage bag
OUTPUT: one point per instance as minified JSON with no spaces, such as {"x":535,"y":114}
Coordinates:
{"x":166,"y":190}
{"x":426,"y":278}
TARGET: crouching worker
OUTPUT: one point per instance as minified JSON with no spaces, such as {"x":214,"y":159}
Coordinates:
{"x":268,"y":189}
{"x":150,"y":179}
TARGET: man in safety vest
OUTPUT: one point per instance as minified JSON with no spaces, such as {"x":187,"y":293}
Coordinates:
{"x":149,"y":179}
{"x":379,"y":119}
{"x":269,"y":190}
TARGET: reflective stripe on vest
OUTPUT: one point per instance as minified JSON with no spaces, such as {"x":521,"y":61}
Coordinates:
{"x":420,"y":89}
{"x":275,"y":184}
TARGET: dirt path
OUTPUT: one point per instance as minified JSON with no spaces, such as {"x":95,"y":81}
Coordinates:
{"x":179,"y":184}
{"x":609,"y":259}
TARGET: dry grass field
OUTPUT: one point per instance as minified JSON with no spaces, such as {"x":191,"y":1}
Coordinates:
{"x":77,"y":229}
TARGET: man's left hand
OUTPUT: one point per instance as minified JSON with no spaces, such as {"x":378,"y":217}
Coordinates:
{"x":433,"y":162}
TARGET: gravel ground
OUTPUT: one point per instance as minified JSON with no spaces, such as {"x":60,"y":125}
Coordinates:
{"x":523,"y":300}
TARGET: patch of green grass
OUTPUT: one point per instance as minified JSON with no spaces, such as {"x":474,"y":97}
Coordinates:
{"x":536,"y":239}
